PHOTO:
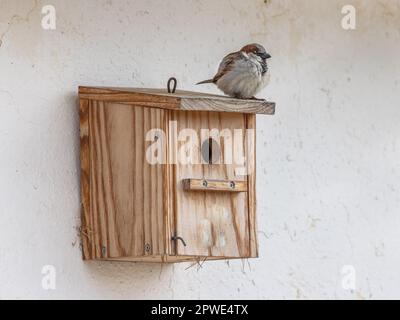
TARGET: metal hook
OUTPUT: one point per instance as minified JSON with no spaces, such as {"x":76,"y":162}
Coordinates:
{"x":172,"y":79}
{"x":174,"y":238}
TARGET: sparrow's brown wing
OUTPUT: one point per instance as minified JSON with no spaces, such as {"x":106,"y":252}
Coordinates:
{"x":227,"y":64}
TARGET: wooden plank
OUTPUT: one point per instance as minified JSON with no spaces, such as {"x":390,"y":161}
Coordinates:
{"x":180,"y":100}
{"x":96,"y":246}
{"x":222,"y":105}
{"x":126,"y":195}
{"x":213,"y":224}
{"x":168,"y":188}
{"x":195,"y":260}
{"x":251,"y":180}
{"x":214,"y":185}
{"x":136,"y":99}
{"x":157,"y":92}
{"x":86,"y":230}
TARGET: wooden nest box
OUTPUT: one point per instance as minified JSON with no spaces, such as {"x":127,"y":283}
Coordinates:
{"x":168,"y":177}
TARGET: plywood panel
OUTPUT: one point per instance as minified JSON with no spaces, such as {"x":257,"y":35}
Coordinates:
{"x":126,"y":192}
{"x":214,"y":224}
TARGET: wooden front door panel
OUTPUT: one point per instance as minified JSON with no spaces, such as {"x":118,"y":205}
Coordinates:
{"x":213,"y":224}
{"x":126,"y":192}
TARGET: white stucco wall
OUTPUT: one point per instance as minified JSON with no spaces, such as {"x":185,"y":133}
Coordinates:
{"x":328,"y":161}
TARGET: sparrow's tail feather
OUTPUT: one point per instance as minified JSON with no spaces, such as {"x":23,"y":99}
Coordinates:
{"x":206,"y":81}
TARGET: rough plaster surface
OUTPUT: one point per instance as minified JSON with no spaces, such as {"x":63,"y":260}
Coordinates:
{"x":328,"y":161}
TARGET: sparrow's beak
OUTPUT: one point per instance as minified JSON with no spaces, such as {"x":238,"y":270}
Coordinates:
{"x":264,"y":55}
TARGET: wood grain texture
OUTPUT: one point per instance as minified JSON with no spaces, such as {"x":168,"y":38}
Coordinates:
{"x":251,"y":180}
{"x":180,"y":100}
{"x":196,"y":260}
{"x":213,"y":224}
{"x":169,"y":192}
{"x":126,"y":192}
{"x":214,"y":185}
{"x":222,"y":105}
{"x":86,"y":231}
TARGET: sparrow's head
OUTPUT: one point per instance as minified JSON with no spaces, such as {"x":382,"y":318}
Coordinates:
{"x":257,"y":50}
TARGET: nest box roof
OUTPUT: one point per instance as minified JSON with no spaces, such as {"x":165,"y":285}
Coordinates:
{"x":180,"y":100}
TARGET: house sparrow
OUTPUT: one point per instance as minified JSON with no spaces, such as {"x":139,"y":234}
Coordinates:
{"x":242,"y":74}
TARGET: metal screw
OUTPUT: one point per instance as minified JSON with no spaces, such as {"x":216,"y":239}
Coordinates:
{"x":205,"y":183}
{"x":147,"y":247}
{"x":103,"y":251}
{"x":232,"y":184}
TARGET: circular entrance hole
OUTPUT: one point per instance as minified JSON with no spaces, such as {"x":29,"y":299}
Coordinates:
{"x":210,"y":151}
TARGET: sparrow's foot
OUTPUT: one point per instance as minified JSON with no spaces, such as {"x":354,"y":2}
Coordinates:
{"x":254,"y":98}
